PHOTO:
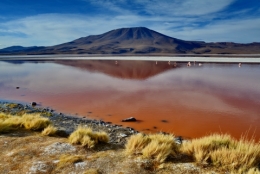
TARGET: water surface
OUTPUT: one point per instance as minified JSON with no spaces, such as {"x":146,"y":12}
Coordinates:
{"x":188,"y":101}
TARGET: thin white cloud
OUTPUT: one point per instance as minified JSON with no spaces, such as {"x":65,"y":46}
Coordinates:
{"x":244,"y":30}
{"x":167,"y":7}
{"x":111,"y":5}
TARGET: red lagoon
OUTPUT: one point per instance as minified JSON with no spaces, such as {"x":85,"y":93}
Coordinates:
{"x":163,"y":96}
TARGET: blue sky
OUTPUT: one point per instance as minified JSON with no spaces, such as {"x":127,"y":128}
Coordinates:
{"x":50,"y":22}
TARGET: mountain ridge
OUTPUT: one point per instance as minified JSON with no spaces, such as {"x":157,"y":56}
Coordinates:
{"x":138,"y":40}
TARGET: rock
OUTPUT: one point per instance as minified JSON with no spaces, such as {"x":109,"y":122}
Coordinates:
{"x":80,"y":165}
{"x":62,"y":133}
{"x":130,"y":119}
{"x":34,"y":103}
{"x":178,"y":140}
{"x":58,"y":148}
{"x":38,"y":166}
{"x":121,"y":135}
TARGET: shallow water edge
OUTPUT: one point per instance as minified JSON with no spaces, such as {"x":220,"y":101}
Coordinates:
{"x":219,"y":59}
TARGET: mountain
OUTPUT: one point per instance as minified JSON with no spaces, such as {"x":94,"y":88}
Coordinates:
{"x":18,"y":49}
{"x":138,"y":40}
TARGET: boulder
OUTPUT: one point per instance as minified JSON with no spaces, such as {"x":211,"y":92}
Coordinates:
{"x":130,"y":119}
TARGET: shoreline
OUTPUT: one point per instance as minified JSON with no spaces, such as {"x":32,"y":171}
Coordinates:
{"x":186,"y":58}
{"x":66,"y":124}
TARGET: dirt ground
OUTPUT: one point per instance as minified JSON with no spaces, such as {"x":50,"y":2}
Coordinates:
{"x":31,"y":153}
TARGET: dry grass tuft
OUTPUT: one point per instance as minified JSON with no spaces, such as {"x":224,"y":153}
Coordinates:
{"x":12,"y":105}
{"x":156,"y":146}
{"x":92,"y":171}
{"x":244,"y":155}
{"x":35,"y":122}
{"x":136,"y":143}
{"x":253,"y":171}
{"x":9,"y":123}
{"x":224,"y":152}
{"x":49,"y":131}
{"x":28,"y":121}
{"x":160,"y":147}
{"x":86,"y":137}
{"x":66,"y":160}
{"x":201,"y":147}
{"x":3,"y":116}
{"x":5,"y":127}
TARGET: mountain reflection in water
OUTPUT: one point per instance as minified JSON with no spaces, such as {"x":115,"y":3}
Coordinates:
{"x":122,"y":69}
{"x":189,"y":101}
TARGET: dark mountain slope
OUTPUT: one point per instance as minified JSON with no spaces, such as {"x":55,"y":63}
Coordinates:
{"x":138,"y":40}
{"x":128,"y":40}
{"x":17,"y":49}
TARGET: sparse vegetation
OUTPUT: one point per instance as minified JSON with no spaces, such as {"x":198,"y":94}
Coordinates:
{"x":157,"y":146}
{"x":67,"y":159}
{"x":35,"y":122}
{"x":9,"y":123}
{"x":49,"y":131}
{"x":12,"y":105}
{"x":5,"y":127}
{"x":253,"y":171}
{"x":224,"y":152}
{"x":28,"y":121}
{"x":87,"y":137}
{"x":92,"y":171}
{"x":136,"y":144}
{"x":200,"y":148}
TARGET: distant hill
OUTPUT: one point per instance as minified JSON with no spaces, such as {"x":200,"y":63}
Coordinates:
{"x":138,"y":40}
{"x":18,"y":49}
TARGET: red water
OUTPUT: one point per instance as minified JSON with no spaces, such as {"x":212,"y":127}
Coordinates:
{"x":189,"y":101}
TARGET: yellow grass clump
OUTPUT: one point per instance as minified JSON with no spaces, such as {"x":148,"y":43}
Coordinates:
{"x":35,"y":122}
{"x":67,"y":159}
{"x":155,"y":146}
{"x":9,"y":123}
{"x":28,"y":121}
{"x":49,"y":131}
{"x":136,"y":143}
{"x":4,"y":127}
{"x":87,"y":137}
{"x":12,"y":105}
{"x":201,"y":147}
{"x":253,"y":171}
{"x":224,"y":152}
{"x":92,"y":171}
{"x":3,"y":116}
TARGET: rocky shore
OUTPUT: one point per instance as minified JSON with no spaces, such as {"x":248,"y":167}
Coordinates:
{"x":66,"y":124}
